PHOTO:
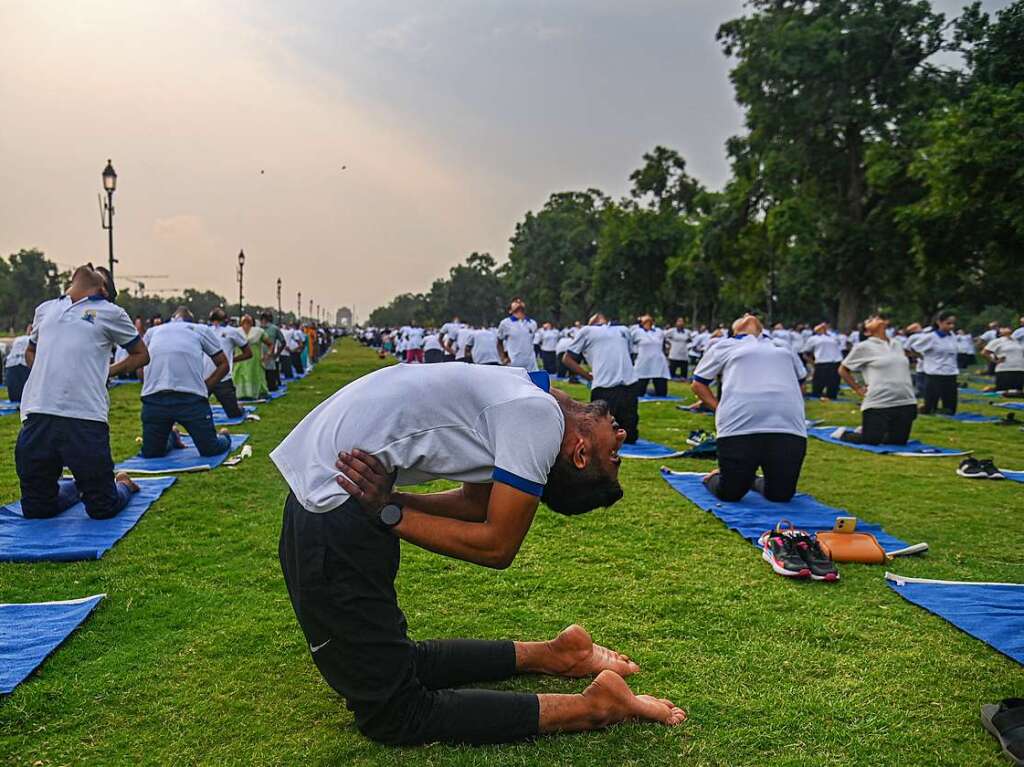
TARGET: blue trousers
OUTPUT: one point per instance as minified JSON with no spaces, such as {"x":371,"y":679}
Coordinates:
{"x":162,"y":410}
{"x":17,"y":376}
{"x":48,"y":443}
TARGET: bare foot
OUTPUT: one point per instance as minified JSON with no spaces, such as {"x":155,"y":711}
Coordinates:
{"x":574,"y":654}
{"x":614,"y":702}
{"x":179,"y":443}
{"x":710,"y":474}
{"x":122,"y":478}
{"x":224,"y":431}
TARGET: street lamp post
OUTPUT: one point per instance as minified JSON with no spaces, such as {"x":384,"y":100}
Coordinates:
{"x":298,"y":309}
{"x":107,"y":220}
{"x":318,"y":314}
{"x":310,"y":315}
{"x":278,"y":300}
{"x":241,"y":275}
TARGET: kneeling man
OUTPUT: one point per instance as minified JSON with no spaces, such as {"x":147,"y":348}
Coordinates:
{"x":512,"y":442}
{"x":760,"y":417}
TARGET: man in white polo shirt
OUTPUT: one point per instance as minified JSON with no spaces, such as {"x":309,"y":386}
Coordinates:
{"x":174,"y":389}
{"x":511,"y":442}
{"x":515,"y":337}
{"x":482,"y":347}
{"x":608,"y":348}
{"x":432,"y":350}
{"x":678,"y":339}
{"x":230,"y":340}
{"x":16,"y":368}
{"x":760,"y":417}
{"x":449,"y":333}
{"x":463,"y":339}
{"x":549,"y":336}
{"x":1008,"y":356}
{"x":825,"y":346}
{"x":65,"y":407}
{"x":938,"y":350}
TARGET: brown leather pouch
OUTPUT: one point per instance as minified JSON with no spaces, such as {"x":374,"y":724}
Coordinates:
{"x":861,"y":548}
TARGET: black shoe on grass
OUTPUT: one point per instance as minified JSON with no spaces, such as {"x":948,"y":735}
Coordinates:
{"x":779,"y":550}
{"x":971,"y":469}
{"x":821,"y":565}
{"x":991,"y":472}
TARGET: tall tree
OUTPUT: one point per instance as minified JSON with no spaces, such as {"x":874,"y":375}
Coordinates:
{"x":27,"y":279}
{"x":820,"y":82}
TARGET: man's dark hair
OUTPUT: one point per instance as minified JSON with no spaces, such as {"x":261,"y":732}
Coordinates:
{"x":218,"y":315}
{"x":108,"y":281}
{"x":944,"y":315}
{"x":573,"y":491}
{"x":266,"y":316}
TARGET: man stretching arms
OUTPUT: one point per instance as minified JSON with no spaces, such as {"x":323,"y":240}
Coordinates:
{"x":512,"y":443}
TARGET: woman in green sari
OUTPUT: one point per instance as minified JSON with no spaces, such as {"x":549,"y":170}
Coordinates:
{"x":250,"y":382}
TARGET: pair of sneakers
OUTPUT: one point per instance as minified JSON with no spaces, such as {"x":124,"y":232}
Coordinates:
{"x":699,"y":437}
{"x":794,"y":553}
{"x":972,"y":468}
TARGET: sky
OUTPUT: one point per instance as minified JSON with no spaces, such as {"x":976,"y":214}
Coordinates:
{"x":354,"y":149}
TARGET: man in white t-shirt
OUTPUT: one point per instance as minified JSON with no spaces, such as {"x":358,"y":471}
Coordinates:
{"x":230,"y":340}
{"x":414,"y":344}
{"x":16,"y":369}
{"x":938,"y":350}
{"x":548,"y":340}
{"x":482,"y":347}
{"x":760,"y":417}
{"x":462,"y":340}
{"x":989,"y":335}
{"x":515,"y":337}
{"x":433,"y":352}
{"x":65,"y":407}
{"x":1018,"y":334}
{"x":1008,"y":357}
{"x":608,"y":349}
{"x":175,"y":389}
{"x":825,"y":347}
{"x":511,"y":442}
{"x":449,"y":334}
{"x":679,"y":339}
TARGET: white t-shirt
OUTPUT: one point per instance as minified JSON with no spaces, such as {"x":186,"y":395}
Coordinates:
{"x":1018,"y":334}
{"x":678,"y":343}
{"x":964,"y":343}
{"x":484,"y":424}
{"x":178,"y":354}
{"x":484,"y":344}
{"x":825,"y":346}
{"x":517,"y":335}
{"x":294,"y":339}
{"x":938,"y":352}
{"x":886,"y":372}
{"x":760,"y":386}
{"x":431,"y":343}
{"x":990,"y":335}
{"x":650,"y":353}
{"x":73,"y":344}
{"x":549,"y":340}
{"x":16,"y":356}
{"x":1012,"y":353}
{"x":414,"y":338}
{"x":563,"y":346}
{"x":462,"y":340}
{"x":229,"y":339}
{"x":607,"y":349}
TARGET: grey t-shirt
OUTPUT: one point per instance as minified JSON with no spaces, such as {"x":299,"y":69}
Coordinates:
{"x":607,"y":349}
{"x":886,"y":372}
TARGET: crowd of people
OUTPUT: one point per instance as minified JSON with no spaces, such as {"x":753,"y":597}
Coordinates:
{"x":78,"y":344}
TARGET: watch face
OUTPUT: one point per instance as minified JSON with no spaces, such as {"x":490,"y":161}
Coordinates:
{"x":391,"y":515}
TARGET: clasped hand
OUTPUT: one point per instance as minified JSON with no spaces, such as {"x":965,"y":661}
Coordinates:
{"x":364,"y":478}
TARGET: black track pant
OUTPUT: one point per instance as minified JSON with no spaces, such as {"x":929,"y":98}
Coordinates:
{"x":884,"y":426}
{"x":550,"y":360}
{"x":779,"y":456}
{"x":678,"y":368}
{"x":433,"y":356}
{"x":622,"y":404}
{"x":225,"y":393}
{"x":660,"y":386}
{"x":285,"y":360}
{"x":938,"y":388}
{"x":826,"y":380}
{"x":340,"y":569}
{"x":273,"y":376}
{"x":1011,"y":380}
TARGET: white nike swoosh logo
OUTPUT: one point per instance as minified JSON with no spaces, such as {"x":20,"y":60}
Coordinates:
{"x":319,"y":646}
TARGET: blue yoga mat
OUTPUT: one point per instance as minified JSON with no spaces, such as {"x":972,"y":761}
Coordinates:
{"x":646,"y":449}
{"x":1016,"y":476}
{"x":913,"y":447}
{"x":972,"y":418}
{"x":649,"y":398}
{"x":220,"y":418}
{"x":30,"y":632}
{"x":270,"y":396}
{"x":180,"y":460}
{"x":1010,"y":405}
{"x":72,"y":535}
{"x":977,"y":392}
{"x":752,"y":515}
{"x":991,"y":612}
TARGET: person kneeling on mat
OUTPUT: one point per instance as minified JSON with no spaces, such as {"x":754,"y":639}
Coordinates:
{"x":174,"y":390}
{"x":890,"y":403}
{"x":512,"y":442}
{"x":760,"y":417}
{"x":65,"y":407}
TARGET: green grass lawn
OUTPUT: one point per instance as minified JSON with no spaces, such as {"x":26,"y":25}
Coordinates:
{"x":195,"y":655}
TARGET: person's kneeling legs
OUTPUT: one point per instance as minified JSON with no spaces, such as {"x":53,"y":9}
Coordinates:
{"x":782,"y":457}
{"x":737,"y":464}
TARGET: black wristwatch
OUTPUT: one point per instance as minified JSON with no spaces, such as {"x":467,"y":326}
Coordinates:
{"x":390,"y":515}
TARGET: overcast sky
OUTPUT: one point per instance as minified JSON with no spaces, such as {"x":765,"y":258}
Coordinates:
{"x":229,"y":124}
